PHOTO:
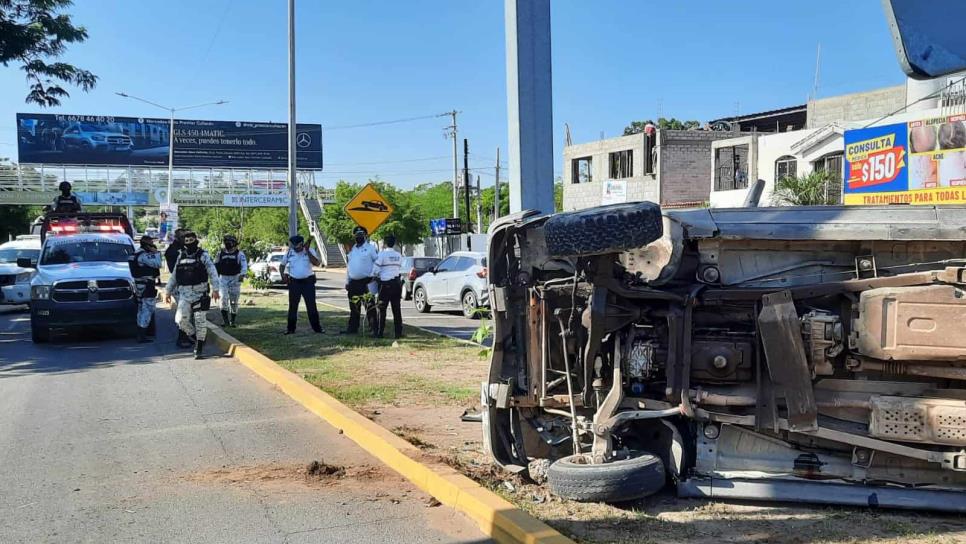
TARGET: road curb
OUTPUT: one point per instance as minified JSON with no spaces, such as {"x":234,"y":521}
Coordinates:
{"x":495,"y":516}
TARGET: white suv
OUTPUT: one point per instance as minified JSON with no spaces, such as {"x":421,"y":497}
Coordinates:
{"x":458,"y":282}
{"x":14,"y":279}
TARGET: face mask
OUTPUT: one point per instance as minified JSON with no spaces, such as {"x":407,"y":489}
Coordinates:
{"x":192,"y":245}
{"x":65,"y":192}
{"x":360,"y":238}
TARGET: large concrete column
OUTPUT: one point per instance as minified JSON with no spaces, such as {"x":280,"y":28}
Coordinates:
{"x":529,"y":105}
{"x":917,"y":89}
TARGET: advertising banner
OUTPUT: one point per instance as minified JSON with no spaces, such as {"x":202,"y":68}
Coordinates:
{"x":129,"y":141}
{"x":613,"y":191}
{"x":256,"y":200}
{"x":167,"y":221}
{"x":920,"y":162}
{"x":122,"y":198}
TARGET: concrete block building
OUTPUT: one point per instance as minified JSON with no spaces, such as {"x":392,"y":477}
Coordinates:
{"x":668,"y":166}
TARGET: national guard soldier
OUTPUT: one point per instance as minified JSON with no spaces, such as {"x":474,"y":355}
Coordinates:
{"x":65,"y":201}
{"x":192,"y":272}
{"x":145,"y":267}
{"x":386,"y":271}
{"x":232,"y":265}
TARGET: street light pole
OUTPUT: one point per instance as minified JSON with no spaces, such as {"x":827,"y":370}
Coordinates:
{"x":171,"y":112}
{"x":293,"y":221}
{"x":170,"y":159}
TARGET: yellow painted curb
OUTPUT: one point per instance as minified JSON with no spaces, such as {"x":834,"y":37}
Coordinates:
{"x":495,"y":516}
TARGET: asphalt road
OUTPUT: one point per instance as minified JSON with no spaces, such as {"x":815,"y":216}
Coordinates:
{"x":106,"y":440}
{"x":331,"y":290}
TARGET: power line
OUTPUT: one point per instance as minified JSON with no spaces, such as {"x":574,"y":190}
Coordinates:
{"x":379,"y":123}
{"x":388,"y":162}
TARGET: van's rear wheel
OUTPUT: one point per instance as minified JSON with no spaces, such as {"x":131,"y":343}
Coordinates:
{"x":605,"y":229}
{"x":635,"y":477}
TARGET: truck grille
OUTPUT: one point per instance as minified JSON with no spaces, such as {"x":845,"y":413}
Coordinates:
{"x":7,"y":279}
{"x":91,"y":290}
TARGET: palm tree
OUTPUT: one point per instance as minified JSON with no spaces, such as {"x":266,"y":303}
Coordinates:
{"x":807,"y":190}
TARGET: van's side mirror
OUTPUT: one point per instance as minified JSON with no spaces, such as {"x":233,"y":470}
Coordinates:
{"x":25,"y":262}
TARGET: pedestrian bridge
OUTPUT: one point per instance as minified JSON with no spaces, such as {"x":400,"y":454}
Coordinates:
{"x":36,"y":184}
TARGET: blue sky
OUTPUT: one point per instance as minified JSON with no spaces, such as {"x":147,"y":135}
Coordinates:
{"x":364,"y":61}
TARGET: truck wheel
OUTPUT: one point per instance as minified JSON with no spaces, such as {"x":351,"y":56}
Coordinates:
{"x":635,"y":477}
{"x":39,"y":335}
{"x":605,"y":229}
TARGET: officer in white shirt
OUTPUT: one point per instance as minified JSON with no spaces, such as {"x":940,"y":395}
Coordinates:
{"x":386,"y":272}
{"x":296,"y":268}
{"x":361,"y":258}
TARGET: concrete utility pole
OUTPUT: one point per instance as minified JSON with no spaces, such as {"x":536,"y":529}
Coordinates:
{"x":466,"y":183}
{"x":496,"y":188}
{"x":479,"y":206}
{"x":293,"y":219}
{"x":529,"y":104}
{"x":456,"y":168}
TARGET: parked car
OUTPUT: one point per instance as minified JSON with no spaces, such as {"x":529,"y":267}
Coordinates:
{"x":93,"y":137}
{"x":269,"y":266}
{"x":15,"y":279}
{"x":83,"y":278}
{"x":412,"y":268}
{"x":457,"y":282}
{"x":809,"y":354}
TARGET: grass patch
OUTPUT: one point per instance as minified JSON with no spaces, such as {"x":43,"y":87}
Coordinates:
{"x":419,"y":369}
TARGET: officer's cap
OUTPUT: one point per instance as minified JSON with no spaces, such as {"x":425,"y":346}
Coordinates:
{"x":360,"y":230}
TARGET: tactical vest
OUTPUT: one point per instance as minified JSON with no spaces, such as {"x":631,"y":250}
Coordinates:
{"x":190,"y":269}
{"x":67,"y":204}
{"x":144,"y":276}
{"x":228,"y":264}
{"x":141,"y":272}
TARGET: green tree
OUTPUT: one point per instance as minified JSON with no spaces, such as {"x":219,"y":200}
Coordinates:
{"x":408,"y":221}
{"x":663,"y":124}
{"x":15,"y":220}
{"x":255,"y":228}
{"x":33,"y":34}
{"x":806,"y":190}
{"x":434,"y":199}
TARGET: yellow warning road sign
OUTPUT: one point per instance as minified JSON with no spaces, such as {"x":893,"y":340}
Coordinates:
{"x":368,"y":208}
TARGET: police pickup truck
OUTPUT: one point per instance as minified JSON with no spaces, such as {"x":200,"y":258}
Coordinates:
{"x":83,"y":278}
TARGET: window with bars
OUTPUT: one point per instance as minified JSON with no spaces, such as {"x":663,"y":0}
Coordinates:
{"x":582,"y":170}
{"x":832,"y":165}
{"x":731,"y":168}
{"x":786,"y":167}
{"x":621,"y":164}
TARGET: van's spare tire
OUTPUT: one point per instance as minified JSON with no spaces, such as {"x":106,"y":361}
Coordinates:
{"x":604,"y":229}
{"x":635,"y":477}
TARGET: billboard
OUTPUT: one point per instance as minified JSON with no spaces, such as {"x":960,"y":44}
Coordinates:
{"x":919,"y":162}
{"x":130,"y":141}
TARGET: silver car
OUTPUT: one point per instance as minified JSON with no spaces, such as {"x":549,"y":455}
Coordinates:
{"x":458,"y":282}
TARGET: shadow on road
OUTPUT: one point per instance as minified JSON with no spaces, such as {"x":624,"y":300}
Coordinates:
{"x":75,"y":350}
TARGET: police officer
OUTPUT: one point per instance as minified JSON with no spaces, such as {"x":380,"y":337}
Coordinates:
{"x":232,"y":265}
{"x":145,"y":267}
{"x":192,"y":272}
{"x":361,"y":258}
{"x":65,"y":201}
{"x":296,"y":269}
{"x":386,"y":271}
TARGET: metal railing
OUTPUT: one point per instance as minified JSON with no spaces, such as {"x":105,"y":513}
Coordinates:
{"x":36,"y":183}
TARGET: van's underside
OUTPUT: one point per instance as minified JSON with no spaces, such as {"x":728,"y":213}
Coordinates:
{"x":797,"y":354}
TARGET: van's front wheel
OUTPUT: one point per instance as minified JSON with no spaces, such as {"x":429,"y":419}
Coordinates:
{"x":634,"y":477}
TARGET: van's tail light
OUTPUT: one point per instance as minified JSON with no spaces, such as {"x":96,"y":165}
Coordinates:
{"x":483,"y":272}
{"x":412,"y":275}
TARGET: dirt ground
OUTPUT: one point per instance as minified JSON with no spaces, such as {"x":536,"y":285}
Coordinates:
{"x":420,"y":388}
